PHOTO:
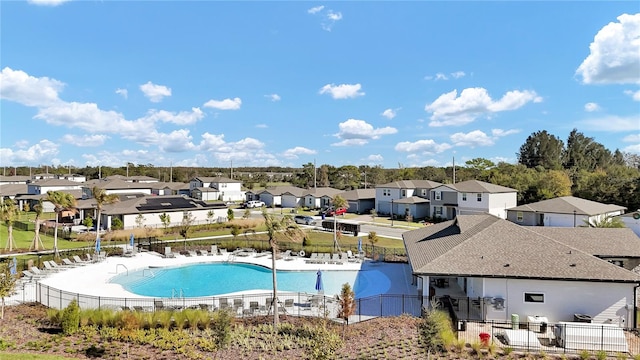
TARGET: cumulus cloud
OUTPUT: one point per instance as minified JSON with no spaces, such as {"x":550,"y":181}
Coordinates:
{"x":611,"y":123}
{"x":613,"y":57}
{"x":273,"y":97}
{"x":293,"y":153}
{"x":458,"y":74}
{"x":375,"y":158}
{"x":20,"y":87}
{"x":501,"y":133}
{"x":632,"y":149}
{"x":175,"y":141}
{"x":635,"y":95}
{"x":359,"y":132}
{"x":47,"y":2}
{"x":472,"y":139}
{"x":632,"y":138}
{"x":315,"y":9}
{"x":328,"y":17}
{"x":123,"y":92}
{"x":85,"y":140}
{"x":426,"y":146}
{"x":226,"y":104}
{"x":155,"y":93}
{"x":451,"y":109}
{"x":43,"y":152}
{"x":389,"y":113}
{"x":342,"y":91}
{"x":591,"y":107}
{"x":180,"y":118}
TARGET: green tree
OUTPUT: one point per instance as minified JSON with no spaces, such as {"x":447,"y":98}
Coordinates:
{"x":553,"y":183}
{"x":235,"y":231}
{"x":186,"y":224}
{"x":337,"y":202}
{"x":166,"y":220}
{"x":7,"y":285}
{"x":8,"y":214}
{"x":61,"y":201}
{"x":116,"y":224}
{"x":373,"y":239}
{"x":347,"y":303}
{"x":36,"y":243}
{"x":605,"y":222}
{"x":140,"y":220}
{"x":230,"y":214}
{"x":210,"y":215}
{"x":277,"y":228}
{"x":541,"y":149}
{"x":101,"y":197}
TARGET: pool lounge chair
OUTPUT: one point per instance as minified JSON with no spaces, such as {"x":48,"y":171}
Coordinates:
{"x":50,"y":268}
{"x":78,"y":260}
{"x":224,"y":304}
{"x":31,"y":276}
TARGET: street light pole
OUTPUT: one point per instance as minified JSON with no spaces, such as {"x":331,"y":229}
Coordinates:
{"x":391,"y":212}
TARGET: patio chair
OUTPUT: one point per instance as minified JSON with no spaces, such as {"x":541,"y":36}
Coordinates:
{"x":78,"y":260}
{"x":254,"y":307}
{"x":192,"y":253}
{"x":238,"y":304}
{"x":224,"y":304}
{"x":288,"y":304}
{"x":50,"y":268}
{"x":31,"y":276}
{"x":70,"y":263}
{"x":158,"y":305}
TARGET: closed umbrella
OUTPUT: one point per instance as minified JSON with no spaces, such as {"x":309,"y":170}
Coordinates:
{"x":131,"y":240}
{"x":13,"y":268}
{"x":319,"y":286}
{"x":359,"y":245}
{"x":98,"y":245}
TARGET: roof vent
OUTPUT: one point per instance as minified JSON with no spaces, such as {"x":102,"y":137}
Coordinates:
{"x":572,"y":265}
{"x":506,"y":265}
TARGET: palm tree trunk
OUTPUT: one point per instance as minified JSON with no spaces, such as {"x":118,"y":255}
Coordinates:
{"x":35,"y":245}
{"x":98,"y":225}
{"x":55,"y":238}
{"x":10,"y":243}
{"x":274,"y":304}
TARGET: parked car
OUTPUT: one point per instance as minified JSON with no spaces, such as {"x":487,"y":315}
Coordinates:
{"x":254,"y":204}
{"x":332,"y":211}
{"x":303,"y":219}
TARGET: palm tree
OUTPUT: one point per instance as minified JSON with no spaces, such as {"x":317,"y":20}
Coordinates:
{"x":338,"y":202}
{"x":37,"y":242}
{"x":102,"y":198}
{"x":605,"y":222}
{"x":8,"y":213}
{"x":277,"y":228}
{"x":61,"y":201}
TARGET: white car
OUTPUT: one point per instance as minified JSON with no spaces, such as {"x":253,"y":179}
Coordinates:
{"x":253,"y":204}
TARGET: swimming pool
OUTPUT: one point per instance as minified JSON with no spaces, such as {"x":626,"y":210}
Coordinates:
{"x":211,"y":279}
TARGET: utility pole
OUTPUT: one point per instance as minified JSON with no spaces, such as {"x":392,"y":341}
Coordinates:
{"x":171,"y":172}
{"x":231,"y":170}
{"x":127,"y":169}
{"x":315,"y":171}
{"x":454,"y":169}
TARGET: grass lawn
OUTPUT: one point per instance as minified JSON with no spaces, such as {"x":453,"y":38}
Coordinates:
{"x":12,"y":356}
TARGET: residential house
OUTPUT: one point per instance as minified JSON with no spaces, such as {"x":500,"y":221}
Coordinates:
{"x":471,"y":197}
{"x":151,"y":207}
{"x":501,"y":269}
{"x":292,"y":197}
{"x":273,"y":196}
{"x":170,"y":188}
{"x":119,"y":186}
{"x":216,"y":188}
{"x":632,"y":221}
{"x":5,"y":180}
{"x":568,"y":211}
{"x":361,"y":201}
{"x":388,"y":195}
{"x":320,"y":197}
{"x":134,"y":179}
{"x":73,"y":177}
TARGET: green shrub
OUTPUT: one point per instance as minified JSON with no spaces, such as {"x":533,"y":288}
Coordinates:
{"x":4,"y":344}
{"x":435,"y":331}
{"x":323,"y":344}
{"x":584,"y":354}
{"x":70,"y":318}
{"x":601,"y":355}
{"x":221,"y":328}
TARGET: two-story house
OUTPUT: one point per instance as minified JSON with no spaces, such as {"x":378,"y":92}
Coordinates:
{"x":406,"y":196}
{"x":472,"y":197}
{"x":564,"y":211}
{"x":216,"y":188}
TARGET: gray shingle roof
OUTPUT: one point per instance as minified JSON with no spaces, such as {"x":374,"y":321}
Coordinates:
{"x":476,"y":186}
{"x":216,"y":179}
{"x":279,"y":190}
{"x":596,"y":241}
{"x":322,"y":191}
{"x":412,"y":200}
{"x":359,"y":194}
{"x":487,"y":246}
{"x":410,"y":184}
{"x":567,"y":204}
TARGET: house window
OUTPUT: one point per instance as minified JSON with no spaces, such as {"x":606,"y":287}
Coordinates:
{"x":479,"y":196}
{"x":519,"y":216}
{"x":424,"y":192}
{"x":438,"y":210}
{"x":464,"y":196}
{"x":386,"y":192}
{"x":404,"y":192}
{"x":533,"y":298}
{"x":438,"y":195}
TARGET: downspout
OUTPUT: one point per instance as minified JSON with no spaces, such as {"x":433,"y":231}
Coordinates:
{"x":635,"y":306}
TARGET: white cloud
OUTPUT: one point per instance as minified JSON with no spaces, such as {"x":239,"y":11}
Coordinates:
{"x":591,"y":107}
{"x":262,"y":126}
{"x":226,"y":104}
{"x":293,"y":153}
{"x":359,"y":132}
{"x":47,"y":2}
{"x":123,"y":92}
{"x":500,"y":132}
{"x":181,"y":118}
{"x":375,"y":158}
{"x":176,"y":141}
{"x":427,"y":146}
{"x":635,"y":95}
{"x":458,"y":74}
{"x":273,"y":97}
{"x":87,"y":117}
{"x":342,"y":91}
{"x":43,"y":152}
{"x":315,"y":9}
{"x":449,"y":109}
{"x":155,"y":93}
{"x":612,"y":123}
{"x":84,"y":140}
{"x":248,"y":151}
{"x":472,"y":139}
{"x":389,"y":113}
{"x":440,"y":76}
{"x":613,"y":57}
{"x":334,"y":16}
{"x":632,"y":138}
{"x":632,"y":149}
{"x":20,"y":87}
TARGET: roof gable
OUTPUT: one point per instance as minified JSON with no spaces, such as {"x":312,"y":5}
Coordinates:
{"x":569,"y":204}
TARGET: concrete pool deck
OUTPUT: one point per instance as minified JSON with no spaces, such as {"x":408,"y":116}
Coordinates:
{"x":93,"y":279}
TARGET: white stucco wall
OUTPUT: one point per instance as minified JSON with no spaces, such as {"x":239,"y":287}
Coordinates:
{"x":153,"y":219}
{"x":500,"y":202}
{"x":290,"y":201}
{"x":563,"y":220}
{"x":604,"y":302}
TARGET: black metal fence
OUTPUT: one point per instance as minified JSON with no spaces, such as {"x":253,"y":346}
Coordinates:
{"x":584,"y":339}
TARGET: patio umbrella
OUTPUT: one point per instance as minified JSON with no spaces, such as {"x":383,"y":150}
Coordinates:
{"x":359,"y":245}
{"x":131,"y":240}
{"x":98,"y":245}
{"x":319,"y":286}
{"x":13,"y":267}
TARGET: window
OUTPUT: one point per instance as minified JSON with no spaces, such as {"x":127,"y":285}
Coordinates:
{"x":438,"y":195}
{"x":464,"y":196}
{"x":479,"y":196}
{"x":404,"y":192}
{"x":438,"y":210}
{"x":424,"y":192}
{"x":520,"y":216}
{"x":533,"y":298}
{"x":386,"y":192}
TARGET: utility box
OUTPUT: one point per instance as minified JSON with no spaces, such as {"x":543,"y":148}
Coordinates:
{"x":587,"y":336}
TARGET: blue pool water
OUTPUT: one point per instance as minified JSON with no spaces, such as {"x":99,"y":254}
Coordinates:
{"x":213,"y":279}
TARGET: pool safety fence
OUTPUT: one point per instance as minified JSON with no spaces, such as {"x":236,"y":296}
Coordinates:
{"x":572,"y":338}
{"x":290,"y":303}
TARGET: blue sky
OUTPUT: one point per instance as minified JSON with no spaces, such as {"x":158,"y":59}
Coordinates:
{"x":205,"y":83}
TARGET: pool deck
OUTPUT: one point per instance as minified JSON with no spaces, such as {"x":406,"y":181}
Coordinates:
{"x":93,"y":278}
